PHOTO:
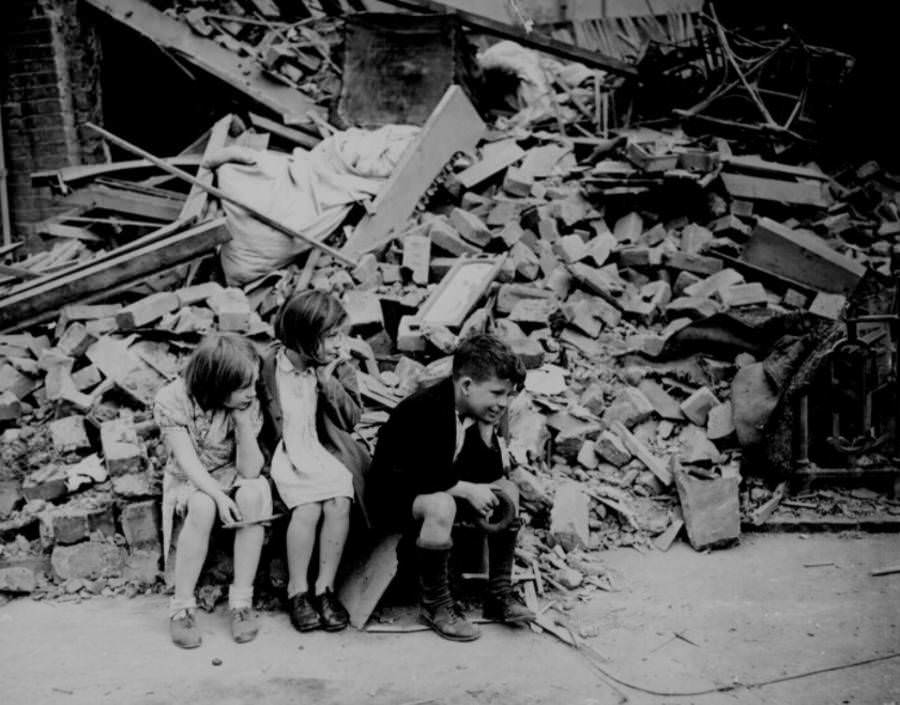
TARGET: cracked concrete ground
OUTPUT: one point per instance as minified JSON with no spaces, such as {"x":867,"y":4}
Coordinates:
{"x":773,"y":606}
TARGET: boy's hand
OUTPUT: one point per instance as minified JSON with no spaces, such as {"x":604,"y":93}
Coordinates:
{"x":228,"y":510}
{"x":482,"y":499}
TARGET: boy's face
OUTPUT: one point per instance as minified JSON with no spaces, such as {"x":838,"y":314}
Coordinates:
{"x":485,"y":400}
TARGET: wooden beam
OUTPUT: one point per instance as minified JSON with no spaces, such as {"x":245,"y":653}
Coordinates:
{"x":67,"y":231}
{"x":453,"y":126}
{"x":801,"y":257}
{"x":754,"y":188}
{"x":754,"y":164}
{"x":71,"y":175}
{"x":124,"y":201}
{"x":531,"y":40}
{"x":241,"y":73}
{"x":132,"y":266}
{"x":288,"y":134}
{"x":143,"y":241}
{"x":583,"y":10}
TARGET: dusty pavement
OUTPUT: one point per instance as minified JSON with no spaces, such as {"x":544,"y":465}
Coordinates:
{"x":774,"y":606}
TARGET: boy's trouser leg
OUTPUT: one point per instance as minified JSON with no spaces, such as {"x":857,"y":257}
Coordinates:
{"x":500,"y":603}
{"x":439,"y":610}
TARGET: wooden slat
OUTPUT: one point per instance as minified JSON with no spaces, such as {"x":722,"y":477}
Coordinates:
{"x":758,"y":189}
{"x":241,"y":73}
{"x":531,"y":40}
{"x":122,"y":201}
{"x":289,"y":134}
{"x":71,"y":175}
{"x":132,"y":266}
{"x":453,"y":126}
{"x":801,"y":257}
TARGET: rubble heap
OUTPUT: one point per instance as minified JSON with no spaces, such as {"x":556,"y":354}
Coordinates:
{"x":595,"y":258}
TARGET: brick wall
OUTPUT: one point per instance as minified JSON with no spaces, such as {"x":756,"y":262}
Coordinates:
{"x":49,"y":86}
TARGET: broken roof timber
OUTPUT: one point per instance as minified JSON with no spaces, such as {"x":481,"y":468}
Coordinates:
{"x":241,"y":73}
{"x":539,"y":42}
{"x":553,"y":11}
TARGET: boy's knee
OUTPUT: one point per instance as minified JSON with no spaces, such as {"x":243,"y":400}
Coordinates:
{"x":254,"y":498}
{"x":337,"y":507}
{"x":439,"y":507}
{"x":201,"y":510}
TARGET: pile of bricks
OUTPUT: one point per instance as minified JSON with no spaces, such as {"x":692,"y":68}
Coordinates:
{"x":588,"y":255}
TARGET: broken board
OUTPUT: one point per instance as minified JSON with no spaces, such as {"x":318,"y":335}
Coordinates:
{"x":795,"y":193}
{"x":366,"y":582}
{"x":801,"y":257}
{"x":459,"y":291}
{"x":454,"y":126}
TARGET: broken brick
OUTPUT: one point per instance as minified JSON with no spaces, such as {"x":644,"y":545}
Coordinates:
{"x":150,"y":308}
{"x":630,"y":407}
{"x":69,"y":434}
{"x":569,"y":517}
{"x":611,"y":449}
{"x":470,"y":227}
{"x":140,"y":524}
{"x":123,"y":451}
{"x":696,"y":407}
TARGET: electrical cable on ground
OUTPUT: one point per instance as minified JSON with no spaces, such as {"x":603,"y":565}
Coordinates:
{"x":592,"y":655}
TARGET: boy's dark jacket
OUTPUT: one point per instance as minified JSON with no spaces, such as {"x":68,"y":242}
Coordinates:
{"x":337,"y":413}
{"x":414,"y":455}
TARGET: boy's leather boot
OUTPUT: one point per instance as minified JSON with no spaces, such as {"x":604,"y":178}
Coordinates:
{"x":500,"y":604}
{"x":439,"y":610}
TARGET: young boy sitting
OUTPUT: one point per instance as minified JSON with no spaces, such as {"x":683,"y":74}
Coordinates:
{"x":437,"y":459}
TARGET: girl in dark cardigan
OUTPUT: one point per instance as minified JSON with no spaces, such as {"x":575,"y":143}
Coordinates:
{"x":308,"y":394}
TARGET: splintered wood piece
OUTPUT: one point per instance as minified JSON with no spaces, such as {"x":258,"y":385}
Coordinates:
{"x":453,"y":126}
{"x":459,"y":291}
{"x":365,"y":584}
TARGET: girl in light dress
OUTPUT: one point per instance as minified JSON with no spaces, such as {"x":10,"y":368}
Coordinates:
{"x":308,"y":393}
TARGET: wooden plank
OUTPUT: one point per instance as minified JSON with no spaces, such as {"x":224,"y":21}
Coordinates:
{"x":195,"y":203}
{"x":363,"y":587}
{"x":122,"y":201}
{"x":80,"y":266}
{"x":453,"y":126}
{"x":17,"y":272}
{"x":289,"y":134}
{"x":495,"y":157}
{"x":584,"y":10}
{"x":67,"y":231}
{"x":754,"y":188}
{"x":131,"y":266}
{"x":460,"y":289}
{"x":242,"y":73}
{"x":801,"y":257}
{"x":71,"y":175}
{"x":642,"y":453}
{"x":532,"y":40}
{"x":757,"y":164}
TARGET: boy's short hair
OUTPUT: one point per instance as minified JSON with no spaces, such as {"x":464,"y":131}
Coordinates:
{"x":482,"y":356}
{"x":304,"y":320}
{"x":219,"y":366}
